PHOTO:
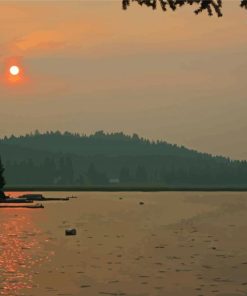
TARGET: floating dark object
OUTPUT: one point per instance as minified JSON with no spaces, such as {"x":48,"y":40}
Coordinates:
{"x":70,"y":231}
{"x":141,"y":203}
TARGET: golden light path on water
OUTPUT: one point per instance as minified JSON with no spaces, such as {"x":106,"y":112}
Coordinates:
{"x":21,"y":250}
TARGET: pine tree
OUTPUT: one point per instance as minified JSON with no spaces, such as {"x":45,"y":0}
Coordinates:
{"x":2,"y":180}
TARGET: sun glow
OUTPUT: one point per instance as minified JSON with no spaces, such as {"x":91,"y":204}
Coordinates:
{"x":14,"y":74}
{"x":14,"y":70}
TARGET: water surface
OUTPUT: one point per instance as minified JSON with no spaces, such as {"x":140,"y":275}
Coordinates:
{"x":176,"y":243}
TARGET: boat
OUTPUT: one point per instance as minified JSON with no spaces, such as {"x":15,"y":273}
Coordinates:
{"x":35,"y":206}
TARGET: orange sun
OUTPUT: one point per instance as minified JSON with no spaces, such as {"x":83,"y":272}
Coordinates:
{"x":14,"y":73}
{"x":14,"y":70}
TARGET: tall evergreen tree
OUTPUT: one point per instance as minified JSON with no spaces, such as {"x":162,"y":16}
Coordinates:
{"x":2,"y":180}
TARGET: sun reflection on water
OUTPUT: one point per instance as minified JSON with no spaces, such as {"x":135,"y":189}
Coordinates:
{"x":20,"y":251}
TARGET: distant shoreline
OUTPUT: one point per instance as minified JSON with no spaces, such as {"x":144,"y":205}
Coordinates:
{"x":122,"y":189}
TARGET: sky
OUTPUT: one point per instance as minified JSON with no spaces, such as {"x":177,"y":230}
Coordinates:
{"x":89,"y":66}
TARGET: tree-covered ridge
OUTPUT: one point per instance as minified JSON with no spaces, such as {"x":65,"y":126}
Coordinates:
{"x":210,"y":6}
{"x":55,"y":158}
{"x":99,"y":143}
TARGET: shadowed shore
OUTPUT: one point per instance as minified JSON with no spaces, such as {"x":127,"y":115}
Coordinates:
{"x":123,"y":188}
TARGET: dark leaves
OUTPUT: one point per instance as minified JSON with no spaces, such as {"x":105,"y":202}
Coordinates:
{"x":210,"y":6}
{"x":244,"y":4}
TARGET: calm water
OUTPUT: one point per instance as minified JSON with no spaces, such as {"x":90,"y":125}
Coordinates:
{"x":22,"y":249}
{"x":174,"y":244}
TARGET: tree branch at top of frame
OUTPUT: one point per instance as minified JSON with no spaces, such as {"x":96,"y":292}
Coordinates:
{"x":211,"y":6}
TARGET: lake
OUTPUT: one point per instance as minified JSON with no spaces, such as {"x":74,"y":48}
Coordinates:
{"x":127,"y":243}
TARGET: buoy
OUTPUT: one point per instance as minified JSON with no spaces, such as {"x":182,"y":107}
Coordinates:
{"x":70,"y":231}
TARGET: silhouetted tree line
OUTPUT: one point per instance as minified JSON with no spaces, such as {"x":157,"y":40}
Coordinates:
{"x":203,"y":5}
{"x":52,"y":172}
{"x":99,"y":143}
{"x":56,"y":158}
{"x":47,"y":172}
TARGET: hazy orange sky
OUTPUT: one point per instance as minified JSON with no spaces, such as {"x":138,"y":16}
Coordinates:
{"x":91,"y":66}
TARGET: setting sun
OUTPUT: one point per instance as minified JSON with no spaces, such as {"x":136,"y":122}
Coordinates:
{"x":14,"y":70}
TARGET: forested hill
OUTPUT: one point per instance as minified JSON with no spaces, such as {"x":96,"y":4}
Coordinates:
{"x":56,"y":158}
{"x":98,"y":143}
